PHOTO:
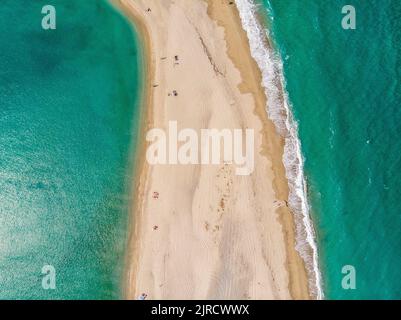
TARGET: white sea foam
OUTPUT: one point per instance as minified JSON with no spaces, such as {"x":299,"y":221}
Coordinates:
{"x":279,"y":112}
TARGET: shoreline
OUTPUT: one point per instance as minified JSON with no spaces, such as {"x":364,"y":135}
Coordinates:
{"x":297,"y":281}
{"x":280,"y":182}
{"x":279,"y":111}
{"x":140,"y":168}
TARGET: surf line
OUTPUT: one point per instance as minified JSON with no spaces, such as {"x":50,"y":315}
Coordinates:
{"x":279,"y":111}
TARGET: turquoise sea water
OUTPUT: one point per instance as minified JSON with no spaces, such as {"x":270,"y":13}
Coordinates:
{"x":68,"y":98}
{"x":345,"y":91}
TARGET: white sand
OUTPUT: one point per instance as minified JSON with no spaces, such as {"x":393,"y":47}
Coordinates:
{"x":219,"y":235}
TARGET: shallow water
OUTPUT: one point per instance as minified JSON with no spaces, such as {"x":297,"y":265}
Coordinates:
{"x":68,"y":98}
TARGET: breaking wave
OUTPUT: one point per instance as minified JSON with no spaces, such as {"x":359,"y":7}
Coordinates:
{"x":279,"y":111}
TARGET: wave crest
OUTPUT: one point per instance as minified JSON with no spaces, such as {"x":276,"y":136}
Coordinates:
{"x":278,"y":110}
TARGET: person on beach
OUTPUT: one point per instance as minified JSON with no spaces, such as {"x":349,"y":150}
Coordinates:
{"x":143,"y":296}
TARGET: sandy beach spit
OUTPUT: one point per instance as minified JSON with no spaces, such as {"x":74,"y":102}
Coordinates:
{"x":201,"y":231}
